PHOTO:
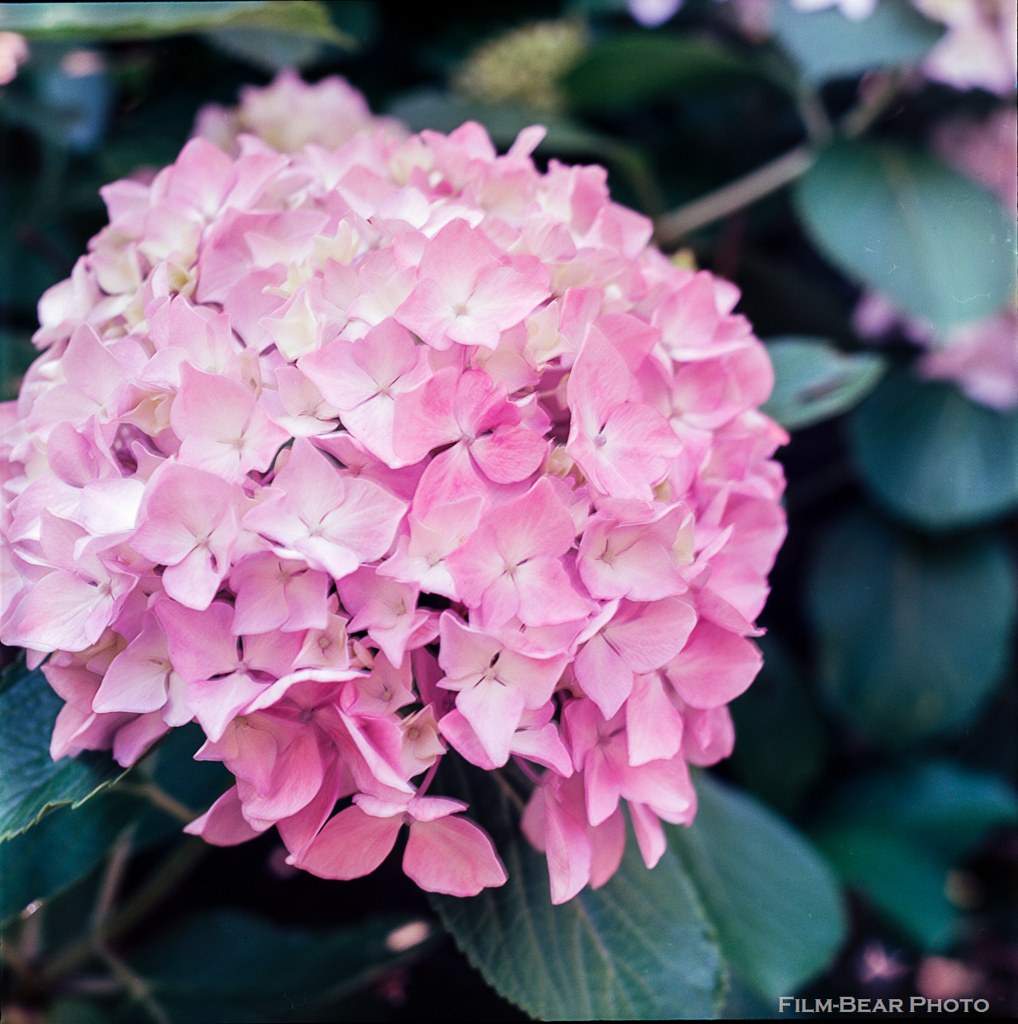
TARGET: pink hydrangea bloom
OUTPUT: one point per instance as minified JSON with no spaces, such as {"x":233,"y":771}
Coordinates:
{"x":370,"y":455}
{"x":288,"y":113}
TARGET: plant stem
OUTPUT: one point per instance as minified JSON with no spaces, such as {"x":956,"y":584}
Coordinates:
{"x":136,"y":985}
{"x":673,"y":227}
{"x":150,"y":895}
{"x":158,"y":797}
{"x":873,"y":102}
{"x":511,"y":793}
{"x":116,"y":865}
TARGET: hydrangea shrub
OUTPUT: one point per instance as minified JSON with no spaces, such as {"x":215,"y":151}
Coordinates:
{"x":369,"y":455}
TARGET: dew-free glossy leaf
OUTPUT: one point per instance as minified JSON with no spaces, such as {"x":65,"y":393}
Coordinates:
{"x":914,"y":635}
{"x":827,"y":45}
{"x":637,"y":948}
{"x":774,"y":902}
{"x":933,"y":456}
{"x":907,"y":226}
{"x":814,"y":381}
{"x":31,"y":782}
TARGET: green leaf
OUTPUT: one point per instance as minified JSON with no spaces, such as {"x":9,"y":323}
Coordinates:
{"x":60,"y":849}
{"x":269,"y":51}
{"x":637,"y":66}
{"x":914,"y":635}
{"x":936,"y":244}
{"x":827,"y":45}
{"x":942,"y":807}
{"x":903,"y":881}
{"x":637,"y":948}
{"x":775,"y":904}
{"x":933,"y":456}
{"x":232,"y":965}
{"x":782,"y":742}
{"x":150,"y":20}
{"x":895,"y":835}
{"x":31,"y":782}
{"x":814,"y":381}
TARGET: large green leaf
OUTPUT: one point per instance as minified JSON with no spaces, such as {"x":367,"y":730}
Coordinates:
{"x":907,"y":226}
{"x":895,"y":835}
{"x":640,"y":947}
{"x":147,"y":20}
{"x":639,"y":66}
{"x":827,"y":45}
{"x":934,"y":457}
{"x":814,"y":381}
{"x":31,"y":782}
{"x":901,"y":879}
{"x":782,"y":743}
{"x":775,"y":904}
{"x":232,"y":965}
{"x":939,"y":805}
{"x":269,"y":51}
{"x":60,"y":849}
{"x":914,"y":635}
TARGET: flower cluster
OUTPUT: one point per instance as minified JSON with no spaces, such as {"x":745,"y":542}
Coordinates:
{"x":288,"y":114}
{"x":363,"y":456}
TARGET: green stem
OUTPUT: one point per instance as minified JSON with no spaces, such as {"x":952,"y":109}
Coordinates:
{"x":506,"y":788}
{"x":673,"y":227}
{"x":134,"y":983}
{"x":158,"y":797}
{"x":873,"y":103}
{"x":116,"y":865}
{"x":175,"y":867}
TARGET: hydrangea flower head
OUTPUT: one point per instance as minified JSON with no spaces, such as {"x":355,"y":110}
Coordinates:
{"x":367,"y":456}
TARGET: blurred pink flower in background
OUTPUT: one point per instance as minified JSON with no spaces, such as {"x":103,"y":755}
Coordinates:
{"x":981,"y":357}
{"x":13,"y":52}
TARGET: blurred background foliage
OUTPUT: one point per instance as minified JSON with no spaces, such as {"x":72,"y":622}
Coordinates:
{"x":807,"y":156}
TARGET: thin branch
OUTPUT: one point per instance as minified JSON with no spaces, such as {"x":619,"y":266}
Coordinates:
{"x":673,"y":227}
{"x":873,"y":101}
{"x":158,"y":797}
{"x":514,"y":797}
{"x":109,"y":887}
{"x":134,"y":983}
{"x":176,"y":866}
